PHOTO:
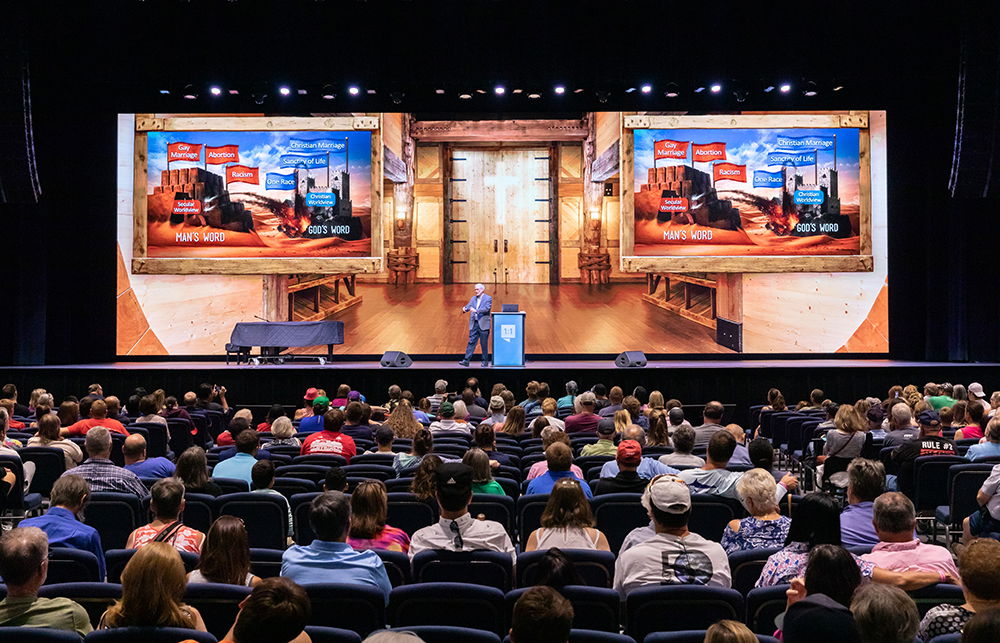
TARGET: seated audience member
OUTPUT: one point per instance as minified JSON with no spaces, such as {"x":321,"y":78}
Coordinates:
{"x":330,"y":440}
{"x":314,"y":422}
{"x":818,"y":603}
{"x":658,"y":434}
{"x":761,"y":454}
{"x":765,"y":527}
{"x":585,"y":420}
{"x":986,"y":521}
{"x":513,"y":422}
{"x":149,"y":413}
{"x":741,"y":454}
{"x":683,"y":441}
{"x":447,"y":424}
{"x":384,"y":437}
{"x":668,"y":558}
{"x":901,"y":427}
{"x":166,"y":503}
{"x":335,"y":480}
{"x":712,"y":423}
{"x":423,"y":444}
{"x":62,"y":524}
{"x":533,"y":402}
{"x":713,"y":478}
{"x":9,"y":392}
{"x":541,"y":615}
{"x":329,"y":555}
{"x":262,"y":475}
{"x":648,"y":467}
{"x":306,"y":410}
{"x":482,"y":476}
{"x":884,"y":614}
{"x":976,"y":421}
{"x":369,"y":508}
{"x":559,"y":458}
{"x":192,"y":470}
{"x":342,"y":398}
{"x":239,"y":466}
{"x":354,"y":424}
{"x":899,"y":549}
{"x":930,"y":442}
{"x":817,"y":522}
{"x":276,"y":611}
{"x":845,"y":441}
{"x":134,"y":450}
{"x":424,"y":485}
{"x":276,"y":411}
{"x":615,"y":397}
{"x":283,"y":432}
{"x":551,"y":435}
{"x":497,"y":412}
{"x":605,"y":444}
{"x":153,"y":585}
{"x":24,"y":564}
{"x":727,"y":631}
{"x":983,"y":627}
{"x":988,"y":449}
{"x":100,"y":471}
{"x":48,"y":436}
{"x":567,"y":521}
{"x":676,"y":419}
{"x":634,"y":408}
{"x":207,"y":394}
{"x":69,"y":413}
{"x":457,"y":530}
{"x":549,"y":408}
{"x":225,"y":555}
{"x":237,"y":425}
{"x":979,"y":567}
{"x":628,"y":455}
{"x":865,"y":483}
{"x":486,"y":439}
{"x":402,"y":421}
{"x":189,"y":402}
{"x":568,"y":401}
{"x":171,"y":409}
{"x":472,"y":405}
{"x":8,"y":446}
{"x":98,"y":417}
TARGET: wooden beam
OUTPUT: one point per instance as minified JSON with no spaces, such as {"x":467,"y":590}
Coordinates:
{"x":275,"y":298}
{"x":626,"y":183}
{"x":841,"y":263}
{"x":393,"y":166}
{"x":255,"y":266}
{"x":139,"y":188}
{"x":554,"y":214}
{"x":751,"y":121}
{"x":377,"y":188}
{"x":606,"y":165}
{"x":447,"y":272}
{"x":520,"y":131}
{"x":249,"y":123}
{"x":865,"y":191}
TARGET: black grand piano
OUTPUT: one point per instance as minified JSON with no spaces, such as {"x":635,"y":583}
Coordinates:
{"x":275,"y":337}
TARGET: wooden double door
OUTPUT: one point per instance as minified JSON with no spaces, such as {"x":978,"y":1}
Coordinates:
{"x":498,"y":225}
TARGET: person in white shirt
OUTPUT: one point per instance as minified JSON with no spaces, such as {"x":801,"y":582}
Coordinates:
{"x":447,"y":423}
{"x":549,"y":412}
{"x":715,"y":479}
{"x":674,"y":555}
{"x":457,"y":530}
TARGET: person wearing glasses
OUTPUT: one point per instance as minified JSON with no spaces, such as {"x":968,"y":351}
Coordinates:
{"x":457,"y":530}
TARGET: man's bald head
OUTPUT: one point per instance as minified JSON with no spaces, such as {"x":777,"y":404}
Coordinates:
{"x":23,"y":553}
{"x":634,"y":432}
{"x":737,"y":432}
{"x":134,"y":447}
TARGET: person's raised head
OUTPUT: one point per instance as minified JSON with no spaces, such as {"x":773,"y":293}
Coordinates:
{"x":460,"y":410}
{"x":333,"y":420}
{"x":238,"y":423}
{"x":369,"y":509}
{"x":225,"y":553}
{"x":247,"y":441}
{"x":424,"y":485}
{"x":572,"y":388}
{"x":262,"y":474}
{"x":616,"y":395}
{"x":335,"y":480}
{"x":983,"y":627}
{"x":513,"y":424}
{"x":496,"y":404}
{"x":70,"y":492}
{"x":559,"y":457}
{"x":865,"y":479}
{"x":737,"y":432}
{"x":343,"y":390}
{"x":587,"y":400}
{"x":816,"y":521}
{"x":756,"y":489}
{"x":541,"y":615}
{"x":330,"y":516}
{"x":134,"y":447}
{"x":832,"y":570}
{"x":606,"y":430}
{"x":153,"y":584}
{"x":885,"y":614}
{"x":567,"y":506}
{"x":24,"y":553}
{"x":675,"y":416}
{"x":531,"y":390}
{"x":816,"y":396}
{"x":600,"y":390}
{"x":930,"y":421}
{"x":551,"y":435}
{"x":894,"y":517}
{"x":468,"y":396}
{"x":353,"y":413}
{"x":204,"y":391}
{"x":166,"y":499}
{"x":190,"y":399}
{"x":320,"y":405}
{"x":192,"y":467}
{"x":979,"y":568}
{"x":454,"y":486}
{"x":721,"y":447}
{"x":901,"y":416}
{"x":282,"y":428}
{"x":147,"y":405}
{"x":485,"y":436}
{"x":713,"y":412}
{"x":9,"y":391}
{"x":628,"y":455}
{"x":276,"y":611}
{"x":440,"y":387}
{"x":395,"y":392}
{"x":549,"y":406}
{"x":477,"y":460}
{"x":98,"y":442}
{"x":446,"y":410}
{"x":667,"y":499}
{"x":631,"y":404}
{"x":98,"y":409}
{"x":683,"y":439}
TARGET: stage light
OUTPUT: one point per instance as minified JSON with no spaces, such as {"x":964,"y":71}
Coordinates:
{"x":234,"y":92}
{"x":595,"y":215}
{"x":785,"y":88}
{"x":672,"y":90}
{"x":534,"y":95}
{"x":396,"y":97}
{"x":837,"y":88}
{"x":328,"y":92}
{"x":189,"y":93}
{"x":499,"y":90}
{"x":559,"y":89}
{"x":284,"y":91}
{"x":810,"y":89}
{"x":439,"y":91}
{"x":578,"y":90}
{"x":302,"y":92}
{"x":716,"y":88}
{"x":216,"y":91}
{"x":167,"y":91}
{"x":769,"y":89}
{"x":699,"y":90}
{"x":465,"y":95}
{"x":517,"y":91}
{"x":645,"y":89}
{"x":353,"y":90}
{"x":630,"y":90}
{"x":370,"y":92}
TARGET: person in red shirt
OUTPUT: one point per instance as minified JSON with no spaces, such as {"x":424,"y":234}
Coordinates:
{"x":98,"y":417}
{"x":330,"y":439}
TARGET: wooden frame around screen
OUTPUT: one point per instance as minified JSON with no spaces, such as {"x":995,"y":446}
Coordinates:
{"x":143,"y":264}
{"x":862,"y":262}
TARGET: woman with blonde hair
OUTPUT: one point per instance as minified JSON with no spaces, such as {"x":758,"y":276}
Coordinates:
{"x":48,"y":436}
{"x":848,"y":437}
{"x":402,"y":422}
{"x":284,"y":433}
{"x":567,"y":521}
{"x":461,"y":412}
{"x":622,"y":420}
{"x":765,"y":527}
{"x":33,"y":400}
{"x":659,"y":430}
{"x":656,"y":403}
{"x":727,"y":631}
{"x":369,"y":508}
{"x":153,"y":585}
{"x":513,"y":424}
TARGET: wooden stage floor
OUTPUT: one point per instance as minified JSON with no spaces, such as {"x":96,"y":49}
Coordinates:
{"x":427,"y":319}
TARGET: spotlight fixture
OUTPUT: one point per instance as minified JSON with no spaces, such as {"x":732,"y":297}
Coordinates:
{"x":189,"y":93}
{"x":517,"y":91}
{"x":810,"y":89}
{"x":645,"y":89}
{"x":284,"y":91}
{"x":534,"y":95}
{"x":216,"y":90}
{"x":327,"y":92}
{"x":837,"y":88}
{"x":715,"y":88}
{"x":480,"y":91}
{"x":672,"y":90}
{"x":578,"y":90}
{"x":699,"y":90}
{"x":438,"y":91}
{"x":234,"y":92}
{"x":499,"y":90}
{"x":164,"y":91}
{"x":559,"y":89}
{"x":396,"y":97}
{"x":465,"y":95}
{"x":370,"y":92}
{"x":353,"y":90}
{"x":630,"y":90}
{"x":785,"y":88}
{"x":769,"y":89}
{"x":301,"y":92}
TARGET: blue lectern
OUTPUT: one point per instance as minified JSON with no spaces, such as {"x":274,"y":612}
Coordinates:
{"x":508,"y":339}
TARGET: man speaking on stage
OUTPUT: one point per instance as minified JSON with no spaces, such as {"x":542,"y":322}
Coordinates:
{"x":479,"y":324}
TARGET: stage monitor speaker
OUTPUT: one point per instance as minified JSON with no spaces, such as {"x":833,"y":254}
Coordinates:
{"x":631,"y":359}
{"x":729,"y":334}
{"x":396,"y":359}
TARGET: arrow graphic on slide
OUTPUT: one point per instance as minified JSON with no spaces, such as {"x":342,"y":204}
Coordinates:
{"x":508,"y":332}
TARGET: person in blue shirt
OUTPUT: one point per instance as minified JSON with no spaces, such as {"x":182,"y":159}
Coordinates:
{"x":67,"y":500}
{"x":990,"y":448}
{"x":649,"y":468}
{"x":239,"y":466}
{"x":134,"y":450}
{"x":565,"y":403}
{"x":329,"y":558}
{"x":314,"y":422}
{"x":559,"y":458}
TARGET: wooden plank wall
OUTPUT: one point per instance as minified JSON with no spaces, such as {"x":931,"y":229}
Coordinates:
{"x":428,"y":211}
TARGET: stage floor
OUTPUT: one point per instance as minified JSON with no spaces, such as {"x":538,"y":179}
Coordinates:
{"x":427,"y":319}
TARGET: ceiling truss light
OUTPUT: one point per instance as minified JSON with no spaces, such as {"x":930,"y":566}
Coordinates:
{"x":534,"y":95}
{"x":672,"y":90}
{"x":465,"y":95}
{"x":284,"y":91}
{"x":234,"y":92}
{"x":439,"y":91}
{"x":559,"y":89}
{"x":328,"y":92}
{"x":499,"y":90}
{"x":785,"y":88}
{"x":716,"y":88}
{"x":215,"y":90}
{"x":189,"y":93}
{"x":645,"y":89}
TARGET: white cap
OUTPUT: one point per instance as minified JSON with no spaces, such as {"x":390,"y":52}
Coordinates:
{"x":977,"y":389}
{"x":667,"y":493}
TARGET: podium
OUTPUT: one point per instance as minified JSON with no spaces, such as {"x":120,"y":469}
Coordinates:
{"x":508,"y":339}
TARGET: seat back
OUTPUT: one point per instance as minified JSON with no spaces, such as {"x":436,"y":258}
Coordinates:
{"x":928,"y":597}
{"x":67,"y":565}
{"x":763,"y":605}
{"x":156,"y":438}
{"x":594,"y":608}
{"x":397,"y":566}
{"x":115,"y":561}
{"x":217,"y":603}
{"x":95,"y":597}
{"x":679,"y":607}
{"x":350,"y":606}
{"x":321,"y":459}
{"x":265,"y":516}
{"x":710,"y":514}
{"x":459,"y":604}
{"x":265,"y":563}
{"x":617,"y":514}
{"x":596,"y":568}
{"x":199,"y":511}
{"x":529,"y":514}
{"x":497,"y":508}
{"x":288,"y":487}
{"x":745,"y":567}
{"x":450,"y":633}
{"x":50,"y":463}
{"x":691,"y":636}
{"x":37,"y":635}
{"x":149,"y":635}
{"x":303,"y":533}
{"x":114,"y":516}
{"x":319,"y":634}
{"x":231,"y":485}
{"x":964,"y":482}
{"x":930,"y":480}
{"x":591,"y":636}
{"x":408,"y":513}
{"x":490,"y":568}
{"x":314,"y":472}
{"x":15,"y":497}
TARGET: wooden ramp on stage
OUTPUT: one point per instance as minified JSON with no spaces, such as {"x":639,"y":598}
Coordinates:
{"x":427,"y":319}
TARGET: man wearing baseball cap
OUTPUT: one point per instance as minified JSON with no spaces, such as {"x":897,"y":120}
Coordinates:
{"x":605,"y":444}
{"x":320,"y":404}
{"x":447,"y":424}
{"x":674,"y":556}
{"x":627,"y":480}
{"x":929,"y":442}
{"x":978,"y":396}
{"x":457,"y":530}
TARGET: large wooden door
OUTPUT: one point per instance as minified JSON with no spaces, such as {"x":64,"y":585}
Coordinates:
{"x":499,"y":227}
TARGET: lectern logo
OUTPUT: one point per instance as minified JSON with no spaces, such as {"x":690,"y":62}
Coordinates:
{"x":508,"y":332}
